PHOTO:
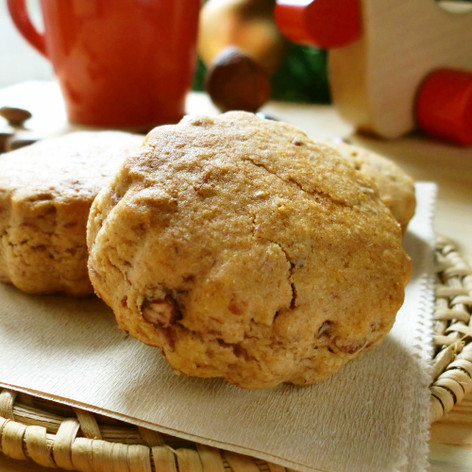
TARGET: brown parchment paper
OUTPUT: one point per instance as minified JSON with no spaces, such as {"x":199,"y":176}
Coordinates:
{"x":371,"y":416}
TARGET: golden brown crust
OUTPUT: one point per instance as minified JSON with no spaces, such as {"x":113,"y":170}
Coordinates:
{"x":245,"y":250}
{"x":396,"y":188}
{"x":46,"y":190}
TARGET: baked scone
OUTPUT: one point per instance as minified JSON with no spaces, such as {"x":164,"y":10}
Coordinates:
{"x":245,"y":250}
{"x":396,"y":188}
{"x":46,"y":190}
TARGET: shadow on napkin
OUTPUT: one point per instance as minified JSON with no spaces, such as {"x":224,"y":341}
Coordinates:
{"x":371,"y":416}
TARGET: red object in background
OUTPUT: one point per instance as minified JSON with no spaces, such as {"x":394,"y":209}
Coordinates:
{"x":119,"y":63}
{"x":323,"y":23}
{"x":444,"y":105}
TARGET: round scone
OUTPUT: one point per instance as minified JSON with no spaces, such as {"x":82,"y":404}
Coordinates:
{"x":46,"y":190}
{"x":246,"y":251}
{"x":396,"y":188}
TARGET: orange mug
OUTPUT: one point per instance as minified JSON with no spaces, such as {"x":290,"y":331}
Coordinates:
{"x":119,"y":63}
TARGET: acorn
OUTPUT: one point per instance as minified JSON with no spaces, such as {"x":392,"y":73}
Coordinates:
{"x":14,"y":115}
{"x":235,"y":81}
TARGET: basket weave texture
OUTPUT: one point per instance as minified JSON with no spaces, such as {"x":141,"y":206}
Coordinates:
{"x":59,"y":436}
{"x":452,"y":330}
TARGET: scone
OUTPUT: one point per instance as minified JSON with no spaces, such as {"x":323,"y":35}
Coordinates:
{"x":396,"y":188}
{"x":245,"y":250}
{"x":46,"y":190}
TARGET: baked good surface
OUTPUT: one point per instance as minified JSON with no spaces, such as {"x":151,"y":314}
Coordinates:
{"x":396,"y":187}
{"x":245,"y":250}
{"x":46,"y":190}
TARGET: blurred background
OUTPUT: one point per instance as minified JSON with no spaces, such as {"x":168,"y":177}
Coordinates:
{"x":301,"y":77}
{"x":18,"y":60}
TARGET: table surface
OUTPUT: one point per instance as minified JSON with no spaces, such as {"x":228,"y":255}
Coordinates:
{"x":425,"y":159}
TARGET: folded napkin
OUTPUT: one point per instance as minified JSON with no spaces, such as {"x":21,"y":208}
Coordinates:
{"x":373,"y":415}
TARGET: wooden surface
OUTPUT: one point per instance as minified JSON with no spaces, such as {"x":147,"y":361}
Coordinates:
{"x":375,"y":80}
{"x":449,"y":166}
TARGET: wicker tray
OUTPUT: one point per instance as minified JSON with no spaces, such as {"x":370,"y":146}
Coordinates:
{"x":54,"y":435}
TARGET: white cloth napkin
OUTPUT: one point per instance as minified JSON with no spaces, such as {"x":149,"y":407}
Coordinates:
{"x":373,"y":415}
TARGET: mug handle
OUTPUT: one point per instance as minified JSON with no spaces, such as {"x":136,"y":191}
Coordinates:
{"x":20,"y":17}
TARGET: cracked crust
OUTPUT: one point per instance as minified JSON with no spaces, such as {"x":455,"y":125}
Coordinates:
{"x":46,"y":190}
{"x":396,"y":188}
{"x":245,"y":250}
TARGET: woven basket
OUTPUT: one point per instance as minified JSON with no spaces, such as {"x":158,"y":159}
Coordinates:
{"x":54,"y":435}
{"x":452,"y":330}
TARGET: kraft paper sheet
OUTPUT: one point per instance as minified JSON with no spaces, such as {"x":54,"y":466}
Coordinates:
{"x":371,"y":416}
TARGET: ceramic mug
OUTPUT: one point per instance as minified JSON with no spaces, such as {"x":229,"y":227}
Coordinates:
{"x":119,"y":63}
